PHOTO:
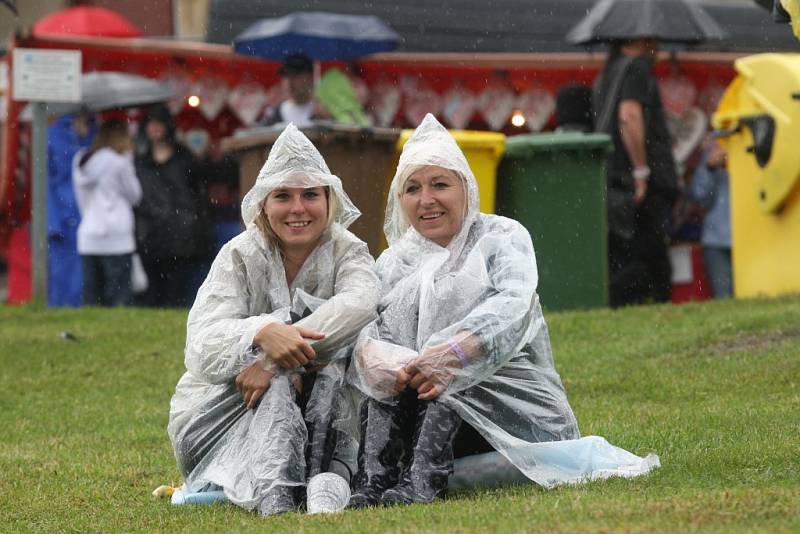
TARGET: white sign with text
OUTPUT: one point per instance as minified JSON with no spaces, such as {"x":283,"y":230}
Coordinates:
{"x":47,"y":75}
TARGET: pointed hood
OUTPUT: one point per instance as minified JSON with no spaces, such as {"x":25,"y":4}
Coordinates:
{"x":430,"y":144}
{"x":295,"y":162}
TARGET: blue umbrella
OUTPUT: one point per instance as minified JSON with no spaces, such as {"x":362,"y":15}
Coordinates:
{"x":320,"y":36}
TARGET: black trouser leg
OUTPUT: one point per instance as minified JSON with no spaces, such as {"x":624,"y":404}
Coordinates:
{"x":425,"y":478}
{"x":325,"y":404}
{"x":651,"y":242}
{"x":385,"y":436}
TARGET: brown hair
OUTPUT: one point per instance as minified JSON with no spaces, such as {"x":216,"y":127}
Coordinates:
{"x":262,"y":222}
{"x":112,"y":134}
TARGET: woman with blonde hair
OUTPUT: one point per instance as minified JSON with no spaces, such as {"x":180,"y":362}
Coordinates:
{"x":460,"y":339}
{"x":261,"y":407}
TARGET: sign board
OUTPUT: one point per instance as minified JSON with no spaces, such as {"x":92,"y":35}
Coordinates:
{"x":47,"y":75}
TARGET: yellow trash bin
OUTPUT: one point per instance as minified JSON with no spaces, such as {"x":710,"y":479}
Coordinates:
{"x":483,"y":151}
{"x":758,"y":120}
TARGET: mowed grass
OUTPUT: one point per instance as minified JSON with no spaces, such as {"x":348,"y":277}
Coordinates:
{"x":713,"y":388}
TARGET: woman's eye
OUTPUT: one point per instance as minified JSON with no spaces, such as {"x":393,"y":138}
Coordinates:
{"x":412,"y":189}
{"x":310,"y":194}
{"x":280,"y":196}
{"x":441,"y":185}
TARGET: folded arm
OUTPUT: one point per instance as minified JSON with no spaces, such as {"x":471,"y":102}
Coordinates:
{"x":353,"y":304}
{"x":493,"y":332}
{"x":220,"y":330}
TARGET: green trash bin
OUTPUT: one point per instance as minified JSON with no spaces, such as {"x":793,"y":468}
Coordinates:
{"x":554,"y":184}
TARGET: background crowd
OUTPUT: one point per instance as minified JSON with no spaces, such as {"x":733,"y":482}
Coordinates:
{"x":189,"y":199}
{"x":186,"y":208}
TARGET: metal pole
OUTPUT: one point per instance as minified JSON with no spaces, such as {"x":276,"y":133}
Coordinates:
{"x":39,"y":203}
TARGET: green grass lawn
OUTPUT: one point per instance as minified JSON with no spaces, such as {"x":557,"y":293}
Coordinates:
{"x":713,"y":388}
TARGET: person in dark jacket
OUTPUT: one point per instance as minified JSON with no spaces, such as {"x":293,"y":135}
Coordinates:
{"x":173,"y":229}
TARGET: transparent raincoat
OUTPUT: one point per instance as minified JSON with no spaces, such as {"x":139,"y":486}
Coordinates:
{"x":217,"y":441}
{"x":477,"y":293}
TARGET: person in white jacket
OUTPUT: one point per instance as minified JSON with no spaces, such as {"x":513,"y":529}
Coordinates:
{"x":262,"y":407}
{"x":106,"y":190}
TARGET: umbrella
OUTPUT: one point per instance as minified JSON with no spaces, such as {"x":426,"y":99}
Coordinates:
{"x":677,"y":21}
{"x":85,"y":20}
{"x":11,"y":5}
{"x":319,"y":35}
{"x":102,"y":91}
{"x":779,"y":13}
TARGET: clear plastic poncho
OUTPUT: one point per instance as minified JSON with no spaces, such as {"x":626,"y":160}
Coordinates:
{"x":217,"y":441}
{"x":480,"y":292}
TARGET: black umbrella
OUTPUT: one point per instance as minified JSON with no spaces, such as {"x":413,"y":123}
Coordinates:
{"x":779,"y":14}
{"x":677,"y":21}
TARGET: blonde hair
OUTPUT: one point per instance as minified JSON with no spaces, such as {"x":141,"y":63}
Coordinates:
{"x":262,"y":221}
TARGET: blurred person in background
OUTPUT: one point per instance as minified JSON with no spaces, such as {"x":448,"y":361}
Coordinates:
{"x":641,"y":174}
{"x":574,"y":108}
{"x":106,"y":189}
{"x":300,"y":108}
{"x":173,"y":226}
{"x":710,"y":189}
{"x":219,"y":174}
{"x":65,"y":137}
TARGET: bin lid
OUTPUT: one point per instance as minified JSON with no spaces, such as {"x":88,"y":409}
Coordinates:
{"x":468,"y":140}
{"x":524,"y":145}
{"x":759,"y":115}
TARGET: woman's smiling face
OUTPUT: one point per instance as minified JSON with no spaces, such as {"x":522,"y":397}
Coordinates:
{"x":434,"y":201}
{"x":297,"y":215}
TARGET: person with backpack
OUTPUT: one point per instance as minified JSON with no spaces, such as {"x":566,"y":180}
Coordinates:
{"x":641,"y":174}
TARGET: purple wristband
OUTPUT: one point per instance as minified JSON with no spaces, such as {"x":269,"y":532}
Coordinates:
{"x":459,"y":353}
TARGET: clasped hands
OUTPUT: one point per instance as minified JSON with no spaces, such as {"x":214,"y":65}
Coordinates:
{"x":285,"y":347}
{"x":429,"y":373}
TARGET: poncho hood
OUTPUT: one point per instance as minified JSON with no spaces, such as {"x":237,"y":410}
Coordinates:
{"x":430,"y":144}
{"x":295,"y":162}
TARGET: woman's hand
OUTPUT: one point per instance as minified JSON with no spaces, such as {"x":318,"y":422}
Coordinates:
{"x":253,"y":382}
{"x":285,"y":344}
{"x":382,"y":368}
{"x":432,"y":372}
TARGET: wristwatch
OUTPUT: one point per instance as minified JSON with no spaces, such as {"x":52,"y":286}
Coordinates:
{"x":641,"y":173}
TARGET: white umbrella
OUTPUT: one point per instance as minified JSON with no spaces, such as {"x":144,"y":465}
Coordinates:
{"x":101,"y":91}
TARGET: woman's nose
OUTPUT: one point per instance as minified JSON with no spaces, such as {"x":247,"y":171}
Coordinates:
{"x":297,"y":205}
{"x":426,"y":196}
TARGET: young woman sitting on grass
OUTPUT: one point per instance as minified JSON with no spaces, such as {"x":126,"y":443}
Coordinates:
{"x":260,"y":408}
